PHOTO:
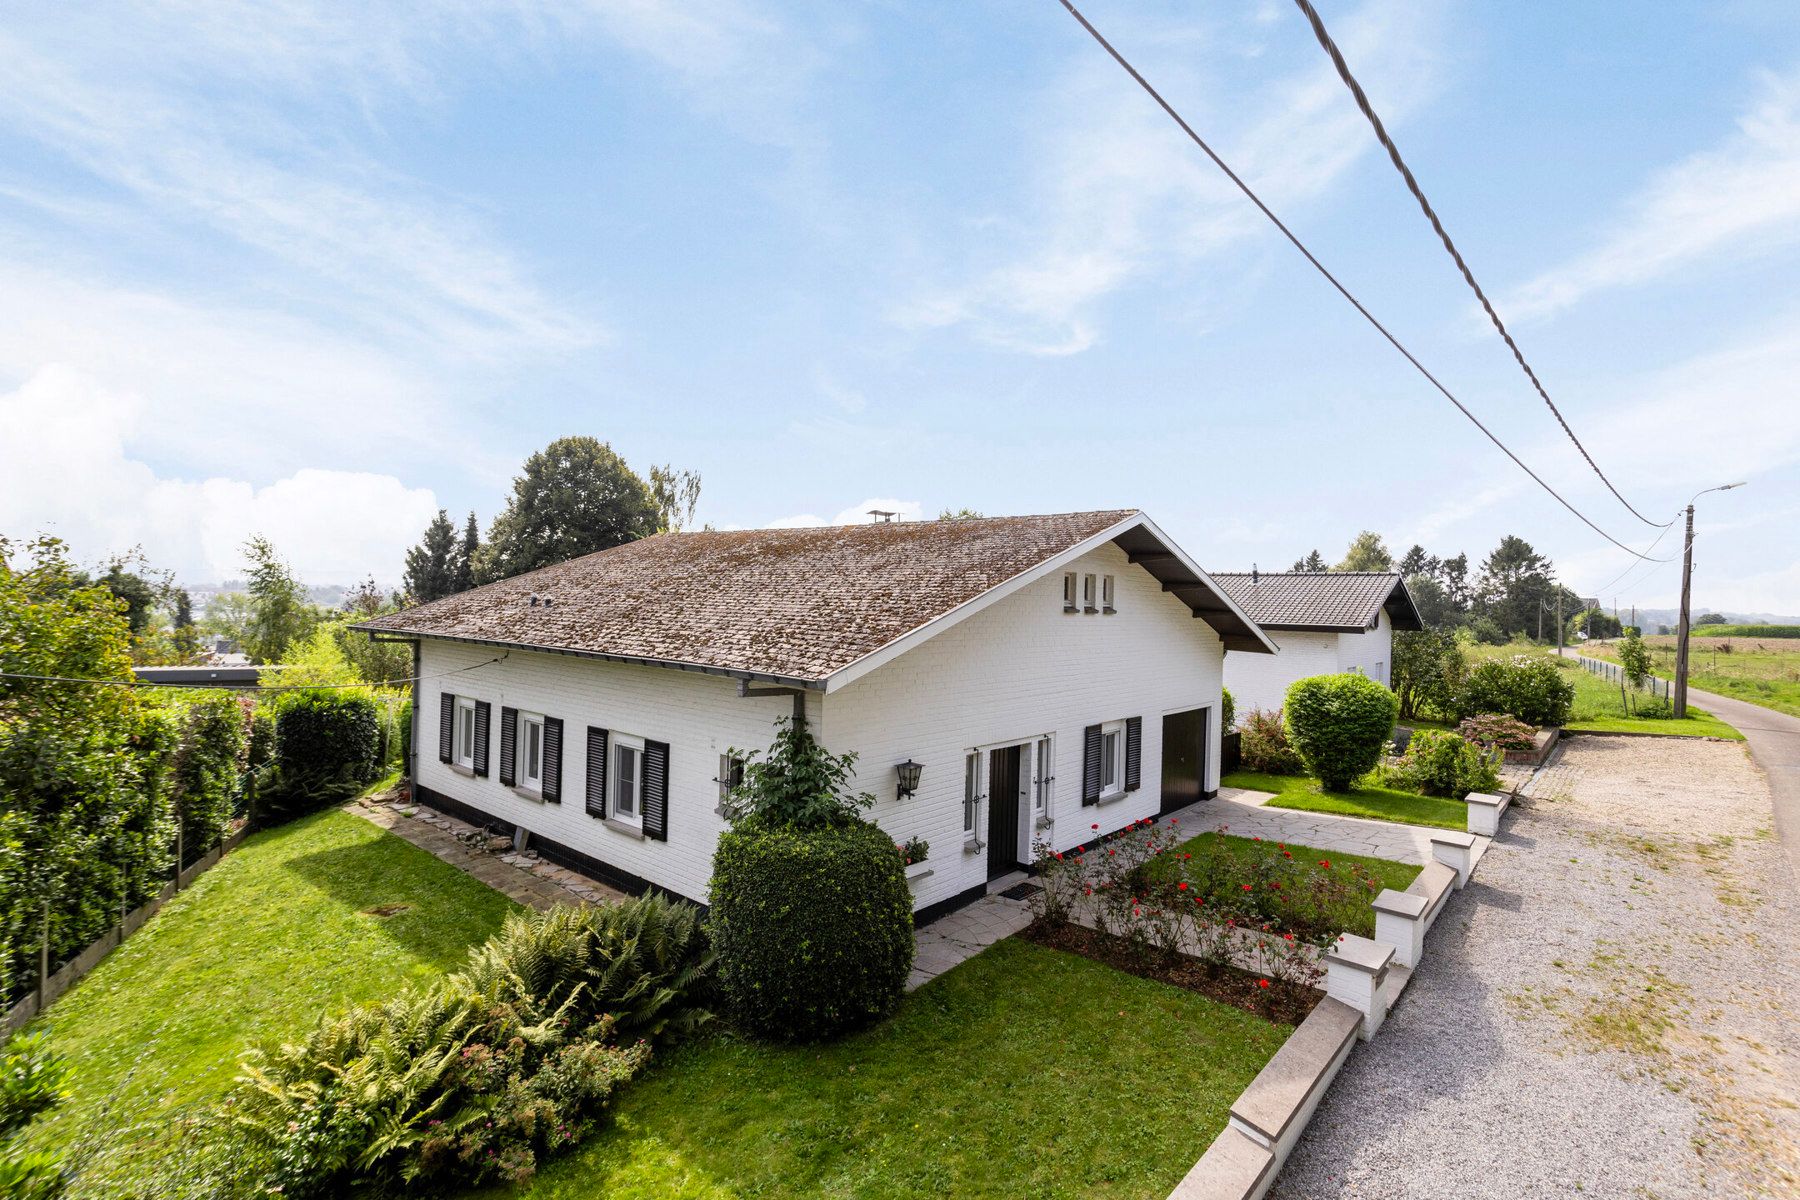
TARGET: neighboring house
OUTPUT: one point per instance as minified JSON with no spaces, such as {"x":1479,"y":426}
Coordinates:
{"x":1046,"y":674}
{"x":1324,"y":624}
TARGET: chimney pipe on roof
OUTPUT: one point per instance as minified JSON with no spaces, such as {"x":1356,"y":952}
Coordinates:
{"x":1255,"y":578}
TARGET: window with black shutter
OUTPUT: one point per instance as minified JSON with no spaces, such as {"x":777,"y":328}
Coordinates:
{"x":552,"y":787}
{"x":446,"y":725}
{"x":1134,"y":753}
{"x":509,"y":745}
{"x":1090,"y":765}
{"x":479,"y":760}
{"x":596,"y":772}
{"x":656,"y":790}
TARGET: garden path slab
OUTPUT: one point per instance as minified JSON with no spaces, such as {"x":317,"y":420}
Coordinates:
{"x":956,"y":937}
{"x":1606,"y":1009}
{"x":1245,"y":813}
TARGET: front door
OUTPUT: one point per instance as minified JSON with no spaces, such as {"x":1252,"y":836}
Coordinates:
{"x":1183,"y":759}
{"x":1003,"y":811}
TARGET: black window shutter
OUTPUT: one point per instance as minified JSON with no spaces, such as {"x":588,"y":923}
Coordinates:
{"x":509,"y":745}
{"x":656,"y":790}
{"x":1134,"y":753}
{"x":446,"y":725}
{"x":1090,"y":765}
{"x":596,"y":772}
{"x":553,"y":759}
{"x":482,"y":711}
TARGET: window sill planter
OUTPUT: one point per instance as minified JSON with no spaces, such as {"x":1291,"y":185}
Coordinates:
{"x":919,"y":870}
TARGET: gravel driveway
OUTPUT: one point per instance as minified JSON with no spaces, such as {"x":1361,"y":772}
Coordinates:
{"x":1610,"y":1008}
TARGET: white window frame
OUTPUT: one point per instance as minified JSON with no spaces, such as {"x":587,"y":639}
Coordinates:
{"x":462,"y":738}
{"x":620,"y":743}
{"x":1115,"y":786}
{"x":1070,"y":592}
{"x":523,"y":777}
{"x":1106,"y":594}
{"x":974,"y":763}
{"x":731,"y":775}
{"x":1043,"y":752}
{"x":1090,"y":592}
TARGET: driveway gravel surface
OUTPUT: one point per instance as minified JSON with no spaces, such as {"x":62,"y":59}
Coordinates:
{"x":1608,"y":1009}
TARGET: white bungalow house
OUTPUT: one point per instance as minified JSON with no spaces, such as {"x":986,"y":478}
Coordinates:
{"x":1036,"y":676}
{"x":1324,"y":624}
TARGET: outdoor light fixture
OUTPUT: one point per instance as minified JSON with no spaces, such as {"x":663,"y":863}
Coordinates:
{"x":908,"y":773}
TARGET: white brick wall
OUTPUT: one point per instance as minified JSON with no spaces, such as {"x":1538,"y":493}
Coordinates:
{"x":1261,"y":680}
{"x":1018,"y":669}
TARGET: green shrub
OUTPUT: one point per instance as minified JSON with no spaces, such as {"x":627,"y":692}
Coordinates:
{"x":1497,"y":731}
{"x":327,"y":746}
{"x":148,"y":829}
{"x":1529,"y":687}
{"x":1227,"y":711}
{"x":1339,"y":724}
{"x":813,"y":927}
{"x":1429,"y":665}
{"x":209,"y":769}
{"x":32,"y":1081}
{"x":798,"y":783}
{"x":405,"y":719}
{"x":1263,"y":745}
{"x":1440,"y":763}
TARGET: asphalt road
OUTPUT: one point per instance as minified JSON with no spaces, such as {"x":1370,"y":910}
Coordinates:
{"x":1774,"y":739}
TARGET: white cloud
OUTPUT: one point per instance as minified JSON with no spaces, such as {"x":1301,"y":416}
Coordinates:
{"x":1739,"y":198}
{"x":1122,"y":194}
{"x":856,"y":514}
{"x":66,"y":468}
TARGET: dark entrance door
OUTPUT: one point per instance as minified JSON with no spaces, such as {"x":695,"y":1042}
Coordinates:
{"x":1183,"y":758}
{"x":1003,"y":811}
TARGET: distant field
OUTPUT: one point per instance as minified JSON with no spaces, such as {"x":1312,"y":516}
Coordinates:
{"x":1747,"y":631}
{"x":1598,"y":708}
{"x":1764,"y":670}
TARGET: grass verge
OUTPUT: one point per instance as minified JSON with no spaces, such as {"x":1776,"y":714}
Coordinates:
{"x":275,"y":936}
{"x":1023,"y":1072}
{"x":1382,"y":804}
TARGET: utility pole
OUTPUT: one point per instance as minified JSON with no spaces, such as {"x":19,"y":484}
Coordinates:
{"x":1559,"y":623}
{"x":1687,"y":579}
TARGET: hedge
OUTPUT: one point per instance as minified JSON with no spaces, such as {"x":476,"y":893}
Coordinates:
{"x":208,"y":770}
{"x":812,"y":927}
{"x":1533,"y":689}
{"x":327,"y":746}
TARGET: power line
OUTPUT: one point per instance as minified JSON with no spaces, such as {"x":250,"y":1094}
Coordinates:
{"x":244,"y":687}
{"x":1412,"y":184}
{"x":1329,"y":277}
{"x":1659,"y":562}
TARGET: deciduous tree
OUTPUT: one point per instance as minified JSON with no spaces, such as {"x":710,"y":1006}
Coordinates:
{"x":280,"y":614}
{"x":1367,"y":552}
{"x":574,"y":497}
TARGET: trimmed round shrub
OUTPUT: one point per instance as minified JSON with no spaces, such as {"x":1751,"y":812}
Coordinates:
{"x":327,"y":746}
{"x":812,"y":927}
{"x":1339,"y":724}
{"x":1530,"y":688}
{"x":1263,"y":745}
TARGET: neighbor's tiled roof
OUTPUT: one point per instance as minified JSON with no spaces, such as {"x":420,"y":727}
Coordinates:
{"x":795,"y":604}
{"x":1339,"y":600}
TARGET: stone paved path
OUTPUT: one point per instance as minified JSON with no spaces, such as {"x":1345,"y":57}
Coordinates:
{"x":1244,"y":812}
{"x":1606,"y":1010}
{"x":525,"y":878}
{"x":959,"y":936}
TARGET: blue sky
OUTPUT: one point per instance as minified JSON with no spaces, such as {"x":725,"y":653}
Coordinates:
{"x":284,"y":268}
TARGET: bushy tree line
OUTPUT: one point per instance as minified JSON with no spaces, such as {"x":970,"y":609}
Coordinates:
{"x":573,"y":497}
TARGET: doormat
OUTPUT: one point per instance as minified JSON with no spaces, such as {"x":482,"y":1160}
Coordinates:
{"x":1022,"y":891}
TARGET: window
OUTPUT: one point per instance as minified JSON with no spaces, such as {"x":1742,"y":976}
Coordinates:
{"x":1106,"y":593}
{"x":1381,"y":671}
{"x":1044,"y":760}
{"x":971,"y":793}
{"x":1112,"y":759}
{"x":627,"y":780}
{"x":731,"y":776}
{"x":463,"y":750}
{"x":1088,"y":583}
{"x":528,"y":764}
{"x":1069,"y":604}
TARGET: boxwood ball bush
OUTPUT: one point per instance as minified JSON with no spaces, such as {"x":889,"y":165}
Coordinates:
{"x":327,"y":746}
{"x":1339,"y":725}
{"x":812,"y":927}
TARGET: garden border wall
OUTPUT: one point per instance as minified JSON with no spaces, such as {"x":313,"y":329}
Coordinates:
{"x":71,"y":972}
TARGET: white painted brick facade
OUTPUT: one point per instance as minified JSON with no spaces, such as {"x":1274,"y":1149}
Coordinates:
{"x":1019,"y":669}
{"x":1261,"y":680}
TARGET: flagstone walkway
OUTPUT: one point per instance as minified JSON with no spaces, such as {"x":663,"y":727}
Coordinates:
{"x":1243,"y":812}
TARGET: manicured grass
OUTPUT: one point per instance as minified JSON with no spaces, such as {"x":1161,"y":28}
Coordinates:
{"x":1763,"y":671}
{"x":1355,"y":916}
{"x":1023,"y":1072}
{"x":1597,"y":708}
{"x":1383,"y":804}
{"x":260,"y":947}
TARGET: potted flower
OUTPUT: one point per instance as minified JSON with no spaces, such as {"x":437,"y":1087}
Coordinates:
{"x":913,"y":852}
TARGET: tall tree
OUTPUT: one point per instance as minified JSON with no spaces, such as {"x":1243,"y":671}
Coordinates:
{"x":1453,"y":573}
{"x":1515,"y":581}
{"x":1417,"y":562}
{"x":1312,"y":563}
{"x":366,"y":600}
{"x":431,"y":565}
{"x":280,"y":614}
{"x":1367,"y":552}
{"x":464,"y":577}
{"x":575,"y":497}
{"x":677,"y":494}
{"x":229,"y":615}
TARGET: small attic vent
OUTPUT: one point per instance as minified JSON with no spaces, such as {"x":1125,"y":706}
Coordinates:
{"x":546,"y":601}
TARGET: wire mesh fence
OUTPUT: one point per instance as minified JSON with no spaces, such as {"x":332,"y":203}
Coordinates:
{"x":1612,"y":672}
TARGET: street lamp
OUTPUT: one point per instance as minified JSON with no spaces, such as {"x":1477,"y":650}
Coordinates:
{"x":1687,"y":578}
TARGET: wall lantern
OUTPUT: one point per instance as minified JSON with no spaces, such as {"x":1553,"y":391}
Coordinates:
{"x":908,"y":773}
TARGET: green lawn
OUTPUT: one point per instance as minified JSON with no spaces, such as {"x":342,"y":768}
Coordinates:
{"x":1023,"y":1072}
{"x":1353,"y":916}
{"x":1763,"y":671}
{"x":259,"y":947}
{"x":1383,"y":804}
{"x":1597,"y":707}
